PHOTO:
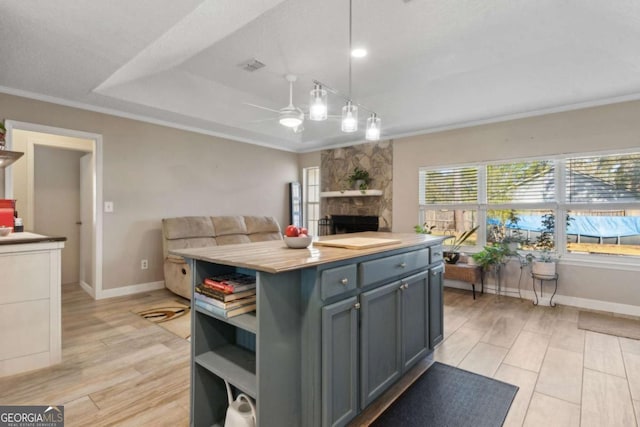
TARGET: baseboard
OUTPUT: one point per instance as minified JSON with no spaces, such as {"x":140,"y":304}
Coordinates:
{"x":88,"y":289}
{"x":129,"y":290}
{"x":589,"y":304}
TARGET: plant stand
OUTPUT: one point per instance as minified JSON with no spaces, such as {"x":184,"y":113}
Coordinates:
{"x":465,"y":273}
{"x":542,"y":279}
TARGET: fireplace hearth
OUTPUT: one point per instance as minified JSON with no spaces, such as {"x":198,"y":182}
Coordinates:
{"x":341,"y":224}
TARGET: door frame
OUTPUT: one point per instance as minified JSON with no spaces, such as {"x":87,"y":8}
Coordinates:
{"x":96,"y":150}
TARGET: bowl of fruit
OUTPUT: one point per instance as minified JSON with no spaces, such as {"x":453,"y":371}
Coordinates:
{"x":297,"y":237}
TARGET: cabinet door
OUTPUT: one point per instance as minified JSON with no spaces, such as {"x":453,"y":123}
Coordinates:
{"x":436,"y":314}
{"x":340,"y":362}
{"x":415,"y":318}
{"x":380,"y":336}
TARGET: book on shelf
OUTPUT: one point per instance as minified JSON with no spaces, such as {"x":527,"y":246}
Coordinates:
{"x":221,"y":295}
{"x":226,"y":313}
{"x":234,"y":282}
{"x":226,"y":305}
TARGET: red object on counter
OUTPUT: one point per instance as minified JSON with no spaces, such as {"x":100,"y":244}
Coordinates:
{"x":7,"y":212}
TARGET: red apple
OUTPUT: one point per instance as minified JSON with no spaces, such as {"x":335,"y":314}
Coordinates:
{"x":302,"y":235}
{"x":303,"y":230}
{"x":291,"y":231}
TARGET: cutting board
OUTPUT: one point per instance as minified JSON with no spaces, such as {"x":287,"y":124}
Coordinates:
{"x":356,"y":242}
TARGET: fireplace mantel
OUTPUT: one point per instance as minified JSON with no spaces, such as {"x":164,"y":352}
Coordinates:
{"x":351,"y":193}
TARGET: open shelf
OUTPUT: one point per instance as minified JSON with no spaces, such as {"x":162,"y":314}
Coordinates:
{"x":351,"y":193}
{"x":247,"y":321}
{"x":234,"y":364}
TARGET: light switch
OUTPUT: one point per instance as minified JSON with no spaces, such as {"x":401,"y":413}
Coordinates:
{"x":108,"y":207}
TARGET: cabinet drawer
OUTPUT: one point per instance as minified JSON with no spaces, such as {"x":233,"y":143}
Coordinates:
{"x":436,"y":254}
{"x":335,"y":281}
{"x":381,"y":270}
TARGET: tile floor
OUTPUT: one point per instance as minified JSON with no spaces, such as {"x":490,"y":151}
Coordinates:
{"x":567,"y":376}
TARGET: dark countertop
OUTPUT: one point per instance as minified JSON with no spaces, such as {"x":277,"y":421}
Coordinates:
{"x":28,"y":237}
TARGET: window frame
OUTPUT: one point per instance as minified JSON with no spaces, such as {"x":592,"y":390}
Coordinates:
{"x":309,"y":189}
{"x":559,"y":206}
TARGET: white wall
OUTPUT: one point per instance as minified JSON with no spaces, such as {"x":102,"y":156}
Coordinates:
{"x":151,"y":172}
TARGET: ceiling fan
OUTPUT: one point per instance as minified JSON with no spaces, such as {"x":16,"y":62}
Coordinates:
{"x":289,"y":116}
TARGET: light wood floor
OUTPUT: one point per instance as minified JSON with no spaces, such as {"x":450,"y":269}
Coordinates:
{"x":567,"y":376}
{"x":119,"y":369}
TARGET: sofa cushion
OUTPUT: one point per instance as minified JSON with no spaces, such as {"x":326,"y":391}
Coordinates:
{"x":230,"y":230}
{"x":187,"y":226}
{"x":262,"y":228}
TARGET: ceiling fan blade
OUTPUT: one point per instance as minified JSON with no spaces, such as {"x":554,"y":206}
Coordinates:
{"x":261,"y":107}
{"x":263,"y":120}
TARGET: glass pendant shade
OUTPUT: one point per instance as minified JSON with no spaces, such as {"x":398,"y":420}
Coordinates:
{"x":372,"y":132}
{"x":349,"y":118}
{"x":318,"y":104}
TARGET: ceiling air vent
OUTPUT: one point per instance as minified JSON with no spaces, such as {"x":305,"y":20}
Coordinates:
{"x":251,"y":65}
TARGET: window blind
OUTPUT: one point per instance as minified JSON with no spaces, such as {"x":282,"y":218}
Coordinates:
{"x":603,"y":179}
{"x":521,"y":182}
{"x":449,"y":186}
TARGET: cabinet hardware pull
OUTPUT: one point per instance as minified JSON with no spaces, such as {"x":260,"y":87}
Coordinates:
{"x":344,"y":281}
{"x":356,"y":306}
{"x":403,"y":264}
{"x":406,"y":286}
{"x":437,"y":253}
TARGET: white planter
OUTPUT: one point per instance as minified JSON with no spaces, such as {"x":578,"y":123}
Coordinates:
{"x":546,"y":269}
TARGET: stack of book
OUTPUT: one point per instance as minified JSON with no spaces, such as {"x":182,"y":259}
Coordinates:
{"x":227,"y":296}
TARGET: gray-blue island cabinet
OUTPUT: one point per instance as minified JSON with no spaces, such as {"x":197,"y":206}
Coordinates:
{"x":334,"y":328}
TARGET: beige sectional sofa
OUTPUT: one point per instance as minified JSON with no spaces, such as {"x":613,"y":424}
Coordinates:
{"x":200,"y":231}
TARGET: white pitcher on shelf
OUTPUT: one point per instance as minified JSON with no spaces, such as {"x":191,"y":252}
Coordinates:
{"x":241,"y":412}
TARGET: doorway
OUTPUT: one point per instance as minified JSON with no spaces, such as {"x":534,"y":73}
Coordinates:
{"x":58,"y":188}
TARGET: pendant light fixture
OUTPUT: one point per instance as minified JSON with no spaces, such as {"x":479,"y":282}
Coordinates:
{"x":349,"y":111}
{"x":318,"y":107}
{"x":372,"y":132}
{"x":318,"y":103}
{"x":349,"y":118}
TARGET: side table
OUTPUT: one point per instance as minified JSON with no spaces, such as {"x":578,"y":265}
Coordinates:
{"x":465,"y":273}
{"x":542,"y":279}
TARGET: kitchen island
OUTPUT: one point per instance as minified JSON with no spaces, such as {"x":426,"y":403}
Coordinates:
{"x":30,"y":320}
{"x":334,"y":327}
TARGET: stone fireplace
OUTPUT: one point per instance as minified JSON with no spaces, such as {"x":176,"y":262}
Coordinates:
{"x":335,"y":167}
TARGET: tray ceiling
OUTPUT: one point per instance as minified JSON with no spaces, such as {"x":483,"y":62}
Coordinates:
{"x":432,"y":64}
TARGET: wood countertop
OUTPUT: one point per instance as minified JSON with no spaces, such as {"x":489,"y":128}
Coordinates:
{"x":275,"y":257}
{"x":27,"y":237}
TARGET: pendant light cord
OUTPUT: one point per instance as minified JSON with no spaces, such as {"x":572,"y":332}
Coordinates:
{"x":350,"y":45}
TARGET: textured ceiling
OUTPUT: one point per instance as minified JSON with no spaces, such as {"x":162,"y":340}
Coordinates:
{"x":432,"y":64}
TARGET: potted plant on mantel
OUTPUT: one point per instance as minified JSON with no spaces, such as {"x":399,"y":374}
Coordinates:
{"x":359,"y":179}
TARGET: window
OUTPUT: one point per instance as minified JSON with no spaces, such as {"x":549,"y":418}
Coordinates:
{"x":597,"y":196}
{"x":311,"y":194}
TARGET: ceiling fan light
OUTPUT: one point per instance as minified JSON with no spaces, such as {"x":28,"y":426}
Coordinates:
{"x":291,"y":118}
{"x":349,"y":118}
{"x":373,"y":128}
{"x":318,"y":104}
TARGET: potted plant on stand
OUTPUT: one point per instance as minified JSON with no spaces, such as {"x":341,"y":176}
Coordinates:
{"x":543,"y":264}
{"x":451,"y":255}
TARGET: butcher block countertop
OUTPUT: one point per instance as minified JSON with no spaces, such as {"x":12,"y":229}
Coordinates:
{"x":27,"y":237}
{"x":275,"y":257}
